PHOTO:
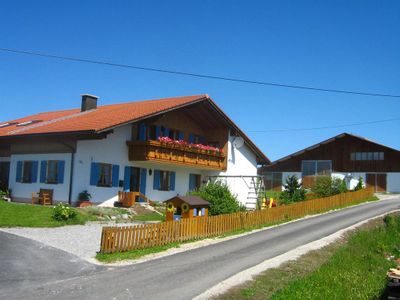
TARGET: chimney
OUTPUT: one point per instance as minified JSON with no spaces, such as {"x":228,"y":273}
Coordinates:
{"x":88,"y":102}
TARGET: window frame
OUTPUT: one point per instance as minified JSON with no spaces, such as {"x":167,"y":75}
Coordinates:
{"x":24,"y":168}
{"x":48,"y":169}
{"x":316,"y":167}
{"x":101,"y":182}
{"x":165,"y":183}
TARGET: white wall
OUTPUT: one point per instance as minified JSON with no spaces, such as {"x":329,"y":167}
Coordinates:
{"x":113,"y":150}
{"x":23,"y":191}
{"x":241,"y":162}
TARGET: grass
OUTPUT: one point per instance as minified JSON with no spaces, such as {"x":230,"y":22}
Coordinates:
{"x":149,"y":217}
{"x":113,"y":257}
{"x":27,"y":215}
{"x":354,"y":268}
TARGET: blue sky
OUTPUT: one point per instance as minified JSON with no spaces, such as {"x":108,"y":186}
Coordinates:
{"x":350,"y":45}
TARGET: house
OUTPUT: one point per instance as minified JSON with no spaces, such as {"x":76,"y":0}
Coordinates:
{"x":160,"y":148}
{"x":346,"y":156}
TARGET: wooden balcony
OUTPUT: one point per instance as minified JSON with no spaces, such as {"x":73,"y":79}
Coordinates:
{"x":175,"y":154}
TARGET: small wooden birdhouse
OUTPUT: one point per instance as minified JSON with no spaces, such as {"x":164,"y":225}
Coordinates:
{"x":186,"y":207}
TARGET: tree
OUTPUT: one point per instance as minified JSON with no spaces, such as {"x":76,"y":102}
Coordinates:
{"x":293,"y":191}
{"x":221,"y":199}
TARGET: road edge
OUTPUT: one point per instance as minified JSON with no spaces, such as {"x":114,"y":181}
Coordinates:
{"x":248,"y":274}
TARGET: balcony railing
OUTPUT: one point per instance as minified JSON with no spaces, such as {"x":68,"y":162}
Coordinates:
{"x":176,"y":154}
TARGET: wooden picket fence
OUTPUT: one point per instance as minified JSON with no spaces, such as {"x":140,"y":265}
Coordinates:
{"x":125,"y":238}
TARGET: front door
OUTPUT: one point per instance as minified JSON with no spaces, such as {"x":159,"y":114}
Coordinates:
{"x":135,"y":180}
{"x":4,"y":173}
{"x":377,"y":182}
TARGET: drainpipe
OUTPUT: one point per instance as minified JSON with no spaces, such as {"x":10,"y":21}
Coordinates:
{"x":73,"y":150}
{"x":71,"y":177}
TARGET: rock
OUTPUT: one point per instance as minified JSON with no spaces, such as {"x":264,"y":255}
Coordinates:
{"x":113,"y":218}
{"x":124,"y":216}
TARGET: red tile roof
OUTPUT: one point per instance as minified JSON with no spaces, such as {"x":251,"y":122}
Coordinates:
{"x":106,"y":117}
{"x":97,"y":120}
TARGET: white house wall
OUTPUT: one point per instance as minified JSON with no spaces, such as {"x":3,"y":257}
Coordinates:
{"x":241,"y":162}
{"x":113,"y":150}
{"x":393,"y":182}
{"x":23,"y":191}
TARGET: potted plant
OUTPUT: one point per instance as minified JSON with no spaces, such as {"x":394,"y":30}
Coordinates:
{"x":84,"y":199}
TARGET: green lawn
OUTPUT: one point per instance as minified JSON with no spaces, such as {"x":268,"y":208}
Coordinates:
{"x":113,"y":257}
{"x":352,"y":270}
{"x":149,"y":217}
{"x":27,"y":215}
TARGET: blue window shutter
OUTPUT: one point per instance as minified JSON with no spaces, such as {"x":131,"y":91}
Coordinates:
{"x":43,"y":170}
{"x":115,"y":175}
{"x":60,"y":171}
{"x":142,"y":186}
{"x":94,"y":173}
{"x":203,"y":211}
{"x":166,"y":131}
{"x":142,"y":132}
{"x":192,"y":182}
{"x":180,"y":135}
{"x":19,"y":172}
{"x":194,"y":212}
{"x":191,"y":138}
{"x":172,"y":181}
{"x":127,"y":179}
{"x":202,"y":140}
{"x":35,"y":165}
{"x":156,"y":180}
{"x":158,"y":131}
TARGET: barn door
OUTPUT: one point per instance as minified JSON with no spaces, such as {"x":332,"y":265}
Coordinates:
{"x":376,"y":181}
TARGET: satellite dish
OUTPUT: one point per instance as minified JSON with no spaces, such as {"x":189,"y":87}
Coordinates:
{"x":238,"y":142}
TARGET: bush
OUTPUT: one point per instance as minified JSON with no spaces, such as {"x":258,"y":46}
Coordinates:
{"x":360,"y":184}
{"x":63,"y":212}
{"x":221,"y":199}
{"x":84,"y":196}
{"x":325,"y":186}
{"x":293,"y":191}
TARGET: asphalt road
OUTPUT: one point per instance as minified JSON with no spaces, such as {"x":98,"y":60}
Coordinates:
{"x":184,"y":275}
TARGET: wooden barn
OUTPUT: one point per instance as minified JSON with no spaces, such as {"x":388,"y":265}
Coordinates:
{"x":186,"y":207}
{"x":346,"y":156}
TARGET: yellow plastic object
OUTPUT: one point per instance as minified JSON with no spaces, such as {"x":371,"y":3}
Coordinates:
{"x":270,"y":202}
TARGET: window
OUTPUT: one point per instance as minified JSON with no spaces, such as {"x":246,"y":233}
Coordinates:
{"x":52,"y":171}
{"x":194,"y":182}
{"x":104,"y":175}
{"x":164,"y":180}
{"x":27,"y":172}
{"x":316,"y":168}
{"x":273,"y":181}
{"x":151,"y":133}
{"x":308,"y":167}
{"x":367,"y":156}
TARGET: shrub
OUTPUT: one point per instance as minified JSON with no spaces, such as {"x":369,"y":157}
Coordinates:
{"x":325,"y":186}
{"x":293,"y":191}
{"x":84,"y":196}
{"x":221,"y":199}
{"x":360,"y":184}
{"x":63,"y":212}
{"x":4,"y":195}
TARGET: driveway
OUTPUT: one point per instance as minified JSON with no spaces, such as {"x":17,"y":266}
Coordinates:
{"x":187,"y":274}
{"x":25,"y":263}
